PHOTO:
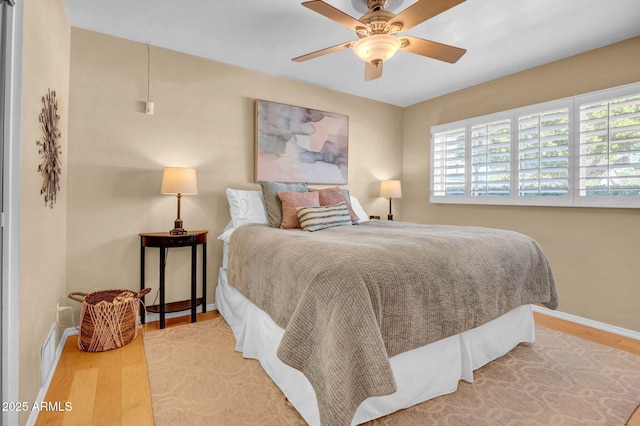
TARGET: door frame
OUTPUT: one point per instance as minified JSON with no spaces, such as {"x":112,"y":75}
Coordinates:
{"x":10,"y":215}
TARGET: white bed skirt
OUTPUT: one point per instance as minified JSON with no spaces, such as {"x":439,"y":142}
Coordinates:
{"x":421,"y":374}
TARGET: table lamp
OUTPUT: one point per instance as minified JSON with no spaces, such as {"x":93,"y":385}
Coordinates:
{"x":390,"y":189}
{"x":179,"y":181}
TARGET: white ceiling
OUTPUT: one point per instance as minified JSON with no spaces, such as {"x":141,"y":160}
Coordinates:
{"x":501,"y":37}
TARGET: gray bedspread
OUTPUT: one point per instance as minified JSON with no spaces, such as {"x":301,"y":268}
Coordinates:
{"x":350,"y":297}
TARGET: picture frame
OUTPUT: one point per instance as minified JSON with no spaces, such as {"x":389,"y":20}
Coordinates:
{"x":300,"y":145}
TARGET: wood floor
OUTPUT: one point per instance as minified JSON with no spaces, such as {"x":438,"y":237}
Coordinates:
{"x":112,"y":388}
{"x":105,"y":388}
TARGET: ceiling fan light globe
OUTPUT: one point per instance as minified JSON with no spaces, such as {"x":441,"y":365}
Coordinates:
{"x":377,"y":47}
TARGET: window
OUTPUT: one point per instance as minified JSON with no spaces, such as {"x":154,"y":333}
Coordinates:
{"x":449,"y":162}
{"x":610,"y":148}
{"x":491,"y":158}
{"x":580,"y":151}
{"x":543,"y":153}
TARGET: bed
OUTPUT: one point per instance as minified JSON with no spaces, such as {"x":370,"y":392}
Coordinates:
{"x":356,"y":322}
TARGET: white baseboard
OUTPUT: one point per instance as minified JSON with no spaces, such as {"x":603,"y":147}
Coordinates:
{"x":72,"y":331}
{"x":632,"y":334}
{"x":33,"y":416}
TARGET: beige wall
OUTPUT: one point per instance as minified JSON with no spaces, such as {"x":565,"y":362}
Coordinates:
{"x":204,"y":118}
{"x":593,"y":252}
{"x":42,"y":229}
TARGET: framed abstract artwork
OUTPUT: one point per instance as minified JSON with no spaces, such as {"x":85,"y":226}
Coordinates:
{"x":296,"y":144}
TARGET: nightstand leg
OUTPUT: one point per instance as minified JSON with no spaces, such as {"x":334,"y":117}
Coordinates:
{"x":143,"y":312}
{"x":162,"y":267}
{"x":194,"y":261}
{"x":204,"y":277}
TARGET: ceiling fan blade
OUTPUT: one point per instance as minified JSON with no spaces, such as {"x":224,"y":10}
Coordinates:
{"x":322,"y":52}
{"x":420,"y":11}
{"x":334,"y":14}
{"x":371,"y":72}
{"x":432,"y":49}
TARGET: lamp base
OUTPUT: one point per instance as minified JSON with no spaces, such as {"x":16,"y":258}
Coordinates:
{"x":178,"y":229}
{"x":389,"y":217}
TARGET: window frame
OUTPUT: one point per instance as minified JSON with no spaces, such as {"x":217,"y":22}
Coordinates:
{"x":617,"y":201}
{"x":573,"y":198}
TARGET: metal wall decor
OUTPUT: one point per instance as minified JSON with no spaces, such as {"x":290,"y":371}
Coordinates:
{"x":49,"y":148}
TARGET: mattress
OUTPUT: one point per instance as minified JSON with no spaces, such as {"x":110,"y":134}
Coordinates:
{"x":421,"y":374}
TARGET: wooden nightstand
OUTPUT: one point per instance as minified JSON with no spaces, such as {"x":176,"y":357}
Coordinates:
{"x":164,"y":241}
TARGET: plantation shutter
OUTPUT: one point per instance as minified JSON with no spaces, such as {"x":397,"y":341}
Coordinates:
{"x":610,"y":147}
{"x":449,"y":162}
{"x":543,"y":153}
{"x":491,"y":158}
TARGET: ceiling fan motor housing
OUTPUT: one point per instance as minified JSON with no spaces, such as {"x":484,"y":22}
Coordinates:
{"x":377,"y":4}
{"x":376,"y":22}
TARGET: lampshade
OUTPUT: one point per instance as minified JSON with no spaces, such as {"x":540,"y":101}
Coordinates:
{"x":179,"y":180}
{"x":377,"y":47}
{"x":390,"y":189}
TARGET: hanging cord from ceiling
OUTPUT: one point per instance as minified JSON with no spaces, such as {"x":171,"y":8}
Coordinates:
{"x":149,"y":107}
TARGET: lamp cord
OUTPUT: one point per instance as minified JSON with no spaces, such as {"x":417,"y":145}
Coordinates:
{"x":155,"y":299}
{"x":148,"y":72}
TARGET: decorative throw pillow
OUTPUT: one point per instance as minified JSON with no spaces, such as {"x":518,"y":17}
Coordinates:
{"x":317,"y":218}
{"x":335,"y":195}
{"x":272,"y":202}
{"x":291,"y":200}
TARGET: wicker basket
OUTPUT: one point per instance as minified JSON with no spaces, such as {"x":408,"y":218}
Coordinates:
{"x":108,"y":318}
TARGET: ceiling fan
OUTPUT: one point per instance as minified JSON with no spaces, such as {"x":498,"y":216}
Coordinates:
{"x":377,"y":31}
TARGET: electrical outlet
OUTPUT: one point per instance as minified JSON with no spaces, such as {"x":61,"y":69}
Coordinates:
{"x":61,"y":309}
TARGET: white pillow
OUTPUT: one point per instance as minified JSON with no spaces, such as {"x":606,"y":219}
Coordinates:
{"x":226,"y":233}
{"x":246,"y":207}
{"x":355,"y":205}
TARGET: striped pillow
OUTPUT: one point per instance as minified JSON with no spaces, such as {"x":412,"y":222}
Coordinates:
{"x":317,"y":218}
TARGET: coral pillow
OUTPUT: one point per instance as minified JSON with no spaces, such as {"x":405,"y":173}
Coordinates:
{"x":335,"y":195}
{"x":291,"y":200}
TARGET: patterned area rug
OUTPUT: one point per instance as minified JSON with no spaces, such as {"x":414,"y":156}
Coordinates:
{"x":197,"y":378}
